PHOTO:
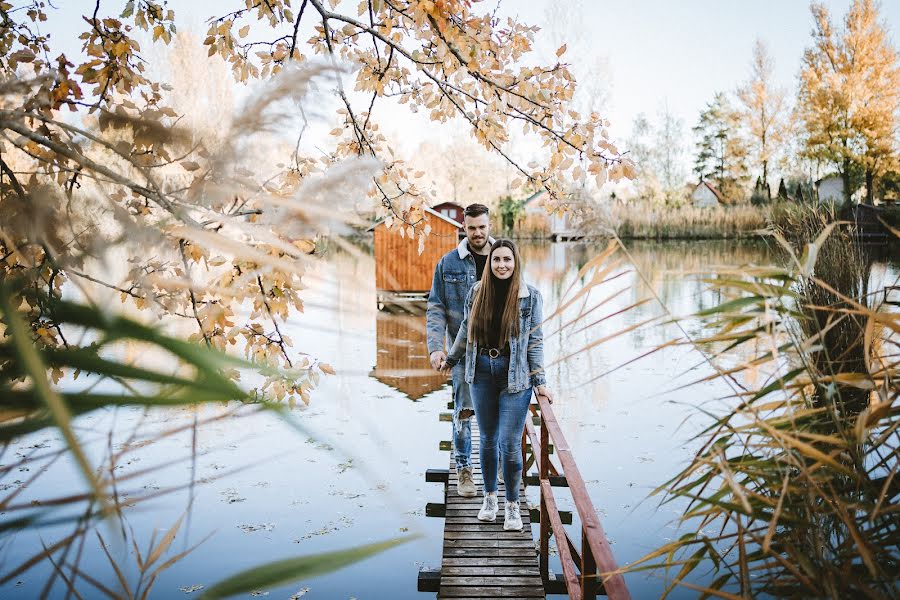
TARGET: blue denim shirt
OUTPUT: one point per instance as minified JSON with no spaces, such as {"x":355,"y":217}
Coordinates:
{"x":526,"y":351}
{"x":454,"y":276}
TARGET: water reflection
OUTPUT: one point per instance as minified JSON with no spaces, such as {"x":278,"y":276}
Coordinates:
{"x":402,"y":357}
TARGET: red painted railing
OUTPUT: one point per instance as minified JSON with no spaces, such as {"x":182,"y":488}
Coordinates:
{"x":587,"y":569}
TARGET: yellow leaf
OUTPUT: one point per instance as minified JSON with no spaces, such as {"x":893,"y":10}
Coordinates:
{"x":561,"y":51}
{"x":326,"y":368}
{"x":243,"y":31}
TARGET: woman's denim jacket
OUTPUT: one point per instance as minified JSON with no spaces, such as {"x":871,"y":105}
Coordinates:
{"x":526,"y":351}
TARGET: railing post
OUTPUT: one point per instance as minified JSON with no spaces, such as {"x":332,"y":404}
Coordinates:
{"x":544,"y":473}
{"x":525,"y":456}
{"x":589,"y":580}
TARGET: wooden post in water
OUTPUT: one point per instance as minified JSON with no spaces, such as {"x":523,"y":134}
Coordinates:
{"x":545,"y":531}
{"x":588,"y":569}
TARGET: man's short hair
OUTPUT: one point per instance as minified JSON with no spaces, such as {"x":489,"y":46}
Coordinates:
{"x":476,"y":210}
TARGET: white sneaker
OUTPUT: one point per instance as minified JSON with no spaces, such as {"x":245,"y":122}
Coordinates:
{"x":465,"y":485}
{"x":513,"y":520}
{"x":488,"y":510}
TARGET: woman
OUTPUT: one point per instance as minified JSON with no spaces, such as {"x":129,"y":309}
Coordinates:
{"x":502,"y":342}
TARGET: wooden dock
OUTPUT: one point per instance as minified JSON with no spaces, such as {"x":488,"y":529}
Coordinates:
{"x":481,"y":560}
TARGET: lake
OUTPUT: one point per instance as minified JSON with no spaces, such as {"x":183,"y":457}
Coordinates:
{"x":355,"y":474}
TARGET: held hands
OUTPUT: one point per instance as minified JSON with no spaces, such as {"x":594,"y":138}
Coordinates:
{"x":544,"y":392}
{"x":438,"y":360}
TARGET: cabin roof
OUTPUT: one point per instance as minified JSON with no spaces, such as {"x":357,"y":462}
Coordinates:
{"x":719,"y":196}
{"x":429,"y":211}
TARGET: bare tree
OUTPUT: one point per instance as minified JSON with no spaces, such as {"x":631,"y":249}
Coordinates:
{"x":763,"y":110}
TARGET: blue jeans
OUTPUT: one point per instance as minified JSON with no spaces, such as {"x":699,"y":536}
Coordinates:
{"x":501,"y":418}
{"x":462,"y":428}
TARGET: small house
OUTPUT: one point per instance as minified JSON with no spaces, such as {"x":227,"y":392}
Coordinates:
{"x":830,"y":189}
{"x":706,"y":195}
{"x":400,"y":271}
{"x":450,"y":209}
{"x":538,"y":223}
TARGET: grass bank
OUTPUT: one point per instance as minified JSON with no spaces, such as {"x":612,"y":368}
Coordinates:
{"x":643,"y":221}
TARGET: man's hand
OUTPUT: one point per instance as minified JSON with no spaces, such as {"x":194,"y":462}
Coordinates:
{"x":438,"y":358}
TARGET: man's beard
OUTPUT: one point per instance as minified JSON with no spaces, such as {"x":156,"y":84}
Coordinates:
{"x":478,"y":244}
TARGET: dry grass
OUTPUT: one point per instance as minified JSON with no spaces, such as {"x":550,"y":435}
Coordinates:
{"x":532,"y":227}
{"x":792,"y":493}
{"x":644,"y":221}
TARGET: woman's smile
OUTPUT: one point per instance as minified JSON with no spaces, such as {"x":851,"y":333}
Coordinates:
{"x":502,"y":263}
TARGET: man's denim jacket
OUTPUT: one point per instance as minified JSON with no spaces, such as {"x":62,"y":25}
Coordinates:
{"x":454,"y":276}
{"x":526,"y":351}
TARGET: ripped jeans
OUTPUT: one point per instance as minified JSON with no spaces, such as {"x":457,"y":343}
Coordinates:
{"x":462,"y":428}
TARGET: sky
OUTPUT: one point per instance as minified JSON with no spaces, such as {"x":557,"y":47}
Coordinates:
{"x":684,"y":51}
{"x":678,"y":52}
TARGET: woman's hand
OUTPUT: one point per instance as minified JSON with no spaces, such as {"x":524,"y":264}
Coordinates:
{"x":544,"y":391}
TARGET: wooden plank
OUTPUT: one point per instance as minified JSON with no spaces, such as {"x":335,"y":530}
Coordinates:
{"x":491,"y":543}
{"x":474,"y":533}
{"x":490,"y":592}
{"x":429,"y":580}
{"x":437,"y":475}
{"x":461,"y":517}
{"x":470,"y":561}
{"x":555,"y":480}
{"x":491,"y":526}
{"x":522,"y":570}
{"x":497,"y":580}
{"x":489,"y":552}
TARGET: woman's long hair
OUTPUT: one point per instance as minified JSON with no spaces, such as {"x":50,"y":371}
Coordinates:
{"x":486,"y":297}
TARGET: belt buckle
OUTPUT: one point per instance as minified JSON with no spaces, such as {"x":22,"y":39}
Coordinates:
{"x":493,"y":352}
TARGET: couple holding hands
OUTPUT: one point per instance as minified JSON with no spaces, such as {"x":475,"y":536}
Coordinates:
{"x":480,"y":303}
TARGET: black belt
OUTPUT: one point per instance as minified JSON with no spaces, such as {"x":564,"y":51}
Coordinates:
{"x":494,"y":352}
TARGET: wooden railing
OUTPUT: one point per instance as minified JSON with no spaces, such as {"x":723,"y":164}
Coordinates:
{"x":582,"y":565}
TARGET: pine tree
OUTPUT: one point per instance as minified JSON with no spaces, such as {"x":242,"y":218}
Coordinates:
{"x":721,"y":151}
{"x":782,"y":191}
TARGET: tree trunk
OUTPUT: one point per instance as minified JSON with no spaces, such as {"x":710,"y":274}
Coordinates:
{"x":765,"y":180}
{"x":870,"y":188}
{"x":845,"y":177}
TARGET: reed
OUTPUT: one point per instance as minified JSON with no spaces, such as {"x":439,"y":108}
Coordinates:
{"x":642,"y":220}
{"x":793,"y":492}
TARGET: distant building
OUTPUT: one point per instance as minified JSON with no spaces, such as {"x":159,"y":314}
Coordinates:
{"x":830,"y":189}
{"x":705,"y":195}
{"x":537,"y":221}
{"x":399,"y":268}
{"x":450,"y":209}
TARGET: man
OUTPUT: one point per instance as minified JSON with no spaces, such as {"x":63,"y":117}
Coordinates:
{"x":454,"y":275}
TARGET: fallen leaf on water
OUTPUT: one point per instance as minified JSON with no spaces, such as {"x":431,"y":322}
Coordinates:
{"x":247,"y":528}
